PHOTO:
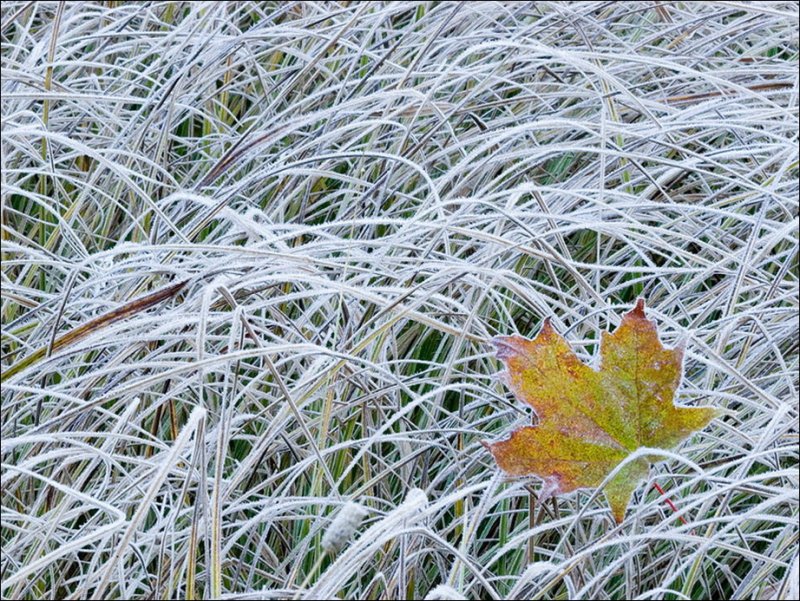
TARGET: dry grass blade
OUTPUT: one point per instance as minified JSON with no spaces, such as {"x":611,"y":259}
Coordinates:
{"x":98,"y":323}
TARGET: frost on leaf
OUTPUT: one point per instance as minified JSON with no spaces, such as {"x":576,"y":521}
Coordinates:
{"x":591,"y":420}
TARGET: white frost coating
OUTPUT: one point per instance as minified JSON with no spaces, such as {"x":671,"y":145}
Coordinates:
{"x":537,"y":568}
{"x":104,"y":265}
{"x":794,"y":579}
{"x":407,"y":515}
{"x":444,"y":592}
{"x":550,"y":488}
{"x":540,"y":571}
{"x":501,"y":376}
{"x":223,"y":281}
{"x":343,"y":526}
{"x":531,"y":573}
{"x":415,"y":499}
{"x":354,"y":264}
{"x":168,"y":460}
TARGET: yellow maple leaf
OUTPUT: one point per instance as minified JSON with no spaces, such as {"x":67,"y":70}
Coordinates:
{"x":591,"y":420}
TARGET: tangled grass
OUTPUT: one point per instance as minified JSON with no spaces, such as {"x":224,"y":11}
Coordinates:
{"x":356,"y":197}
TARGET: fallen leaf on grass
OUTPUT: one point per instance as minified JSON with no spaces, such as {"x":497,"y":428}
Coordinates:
{"x":591,"y":420}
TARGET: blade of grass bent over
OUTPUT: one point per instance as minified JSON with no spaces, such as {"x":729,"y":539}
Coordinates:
{"x":82,"y":331}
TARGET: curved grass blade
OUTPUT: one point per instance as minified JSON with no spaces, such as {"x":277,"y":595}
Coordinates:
{"x":79,"y":333}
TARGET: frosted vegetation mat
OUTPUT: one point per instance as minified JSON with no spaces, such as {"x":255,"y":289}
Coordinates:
{"x":253,"y":255}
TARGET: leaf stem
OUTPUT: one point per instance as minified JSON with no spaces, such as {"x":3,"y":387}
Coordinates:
{"x":668,"y":501}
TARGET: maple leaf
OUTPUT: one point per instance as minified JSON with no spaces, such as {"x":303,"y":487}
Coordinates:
{"x":591,"y":420}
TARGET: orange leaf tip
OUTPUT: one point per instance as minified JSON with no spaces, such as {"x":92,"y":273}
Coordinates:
{"x":507,"y":346}
{"x":638,"y":310}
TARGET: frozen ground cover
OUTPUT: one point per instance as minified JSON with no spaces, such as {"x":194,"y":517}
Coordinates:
{"x":356,"y":198}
